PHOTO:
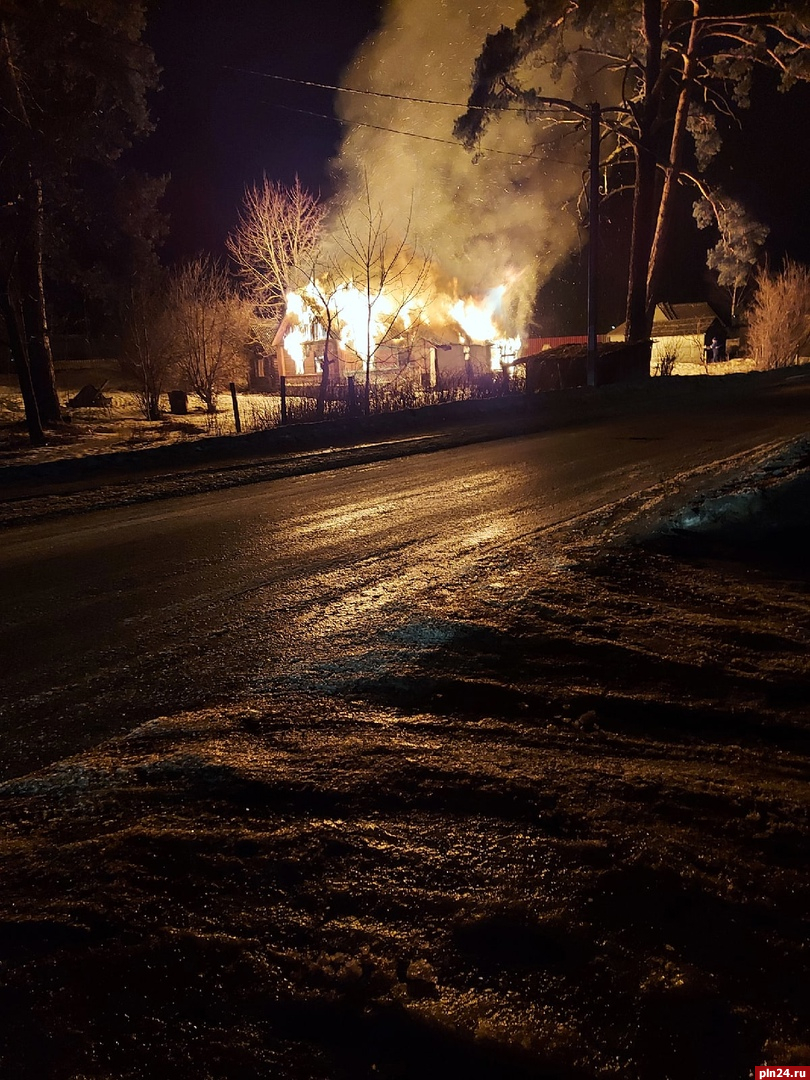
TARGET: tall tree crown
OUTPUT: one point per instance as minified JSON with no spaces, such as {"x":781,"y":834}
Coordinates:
{"x":667,"y":74}
{"x":82,"y":74}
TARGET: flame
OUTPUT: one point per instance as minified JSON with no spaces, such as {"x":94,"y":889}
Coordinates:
{"x":361,"y":320}
{"x":299,"y":331}
{"x":362,"y":325}
{"x":504,"y":350}
{"x":477,"y":318}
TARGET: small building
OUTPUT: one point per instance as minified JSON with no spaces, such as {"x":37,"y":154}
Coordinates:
{"x":564,"y":367}
{"x":684,"y":332}
{"x":437,"y":360}
{"x":300,"y":357}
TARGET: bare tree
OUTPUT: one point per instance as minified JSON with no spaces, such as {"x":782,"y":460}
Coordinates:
{"x":149,"y":351}
{"x":389,"y":273}
{"x":779,"y":317}
{"x":211,"y":325}
{"x":73,"y":86}
{"x":322,"y":296}
{"x":277,"y":234}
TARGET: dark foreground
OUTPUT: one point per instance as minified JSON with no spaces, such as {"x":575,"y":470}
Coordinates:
{"x":562,"y":832}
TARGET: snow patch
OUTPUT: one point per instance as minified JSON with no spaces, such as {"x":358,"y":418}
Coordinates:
{"x":722,"y":510}
{"x":772,"y":496}
{"x":65,"y":778}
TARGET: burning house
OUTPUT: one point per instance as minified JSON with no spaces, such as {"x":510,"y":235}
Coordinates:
{"x":445,"y":342}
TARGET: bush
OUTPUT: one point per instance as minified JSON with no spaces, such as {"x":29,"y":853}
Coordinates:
{"x":148,"y":349}
{"x":779,"y":317}
{"x":211,"y":324}
{"x":666,"y":362}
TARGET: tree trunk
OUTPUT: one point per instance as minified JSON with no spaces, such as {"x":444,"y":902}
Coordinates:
{"x":32,"y":301}
{"x":20,"y":354}
{"x":27,"y":194}
{"x":368,"y":343}
{"x":639,"y":320}
{"x":673,"y":171}
{"x":324,"y":387}
{"x":12,"y":317}
{"x":639,"y":325}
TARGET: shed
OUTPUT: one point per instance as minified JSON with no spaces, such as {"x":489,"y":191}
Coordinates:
{"x":683,"y":331}
{"x":565,"y":366}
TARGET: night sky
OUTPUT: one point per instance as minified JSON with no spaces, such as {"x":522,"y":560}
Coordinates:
{"x":219,"y":128}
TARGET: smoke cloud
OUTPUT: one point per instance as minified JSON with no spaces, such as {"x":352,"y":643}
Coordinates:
{"x":504,"y":215}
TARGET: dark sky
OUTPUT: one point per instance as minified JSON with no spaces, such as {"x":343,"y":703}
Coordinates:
{"x":218,"y":129}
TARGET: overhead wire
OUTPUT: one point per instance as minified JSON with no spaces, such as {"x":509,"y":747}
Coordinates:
{"x":396,"y":131}
{"x":363,"y":93}
{"x":390,"y":96}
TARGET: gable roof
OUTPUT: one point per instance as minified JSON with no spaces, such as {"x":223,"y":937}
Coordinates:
{"x":698,"y":312}
{"x":680,"y":320}
{"x":684,"y":320}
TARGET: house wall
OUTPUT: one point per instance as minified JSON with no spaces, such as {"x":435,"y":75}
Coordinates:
{"x":681,"y":331}
{"x":687,"y":349}
{"x":460,"y":362}
{"x":421,"y":363}
{"x":390,"y":362}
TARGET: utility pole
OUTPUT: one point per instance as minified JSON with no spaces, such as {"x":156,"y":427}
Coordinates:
{"x":595,"y":113}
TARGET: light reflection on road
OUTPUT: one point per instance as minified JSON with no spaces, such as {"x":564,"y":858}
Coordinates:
{"x":125,"y":614}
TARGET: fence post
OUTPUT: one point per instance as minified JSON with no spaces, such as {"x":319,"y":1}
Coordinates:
{"x":283,"y":387}
{"x":236,"y":420}
{"x":352,"y":395}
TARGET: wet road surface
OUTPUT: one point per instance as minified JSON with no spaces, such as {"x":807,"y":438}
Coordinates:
{"x":123,"y":615}
{"x":418,"y":770}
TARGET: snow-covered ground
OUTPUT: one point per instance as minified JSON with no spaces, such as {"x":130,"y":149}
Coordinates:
{"x":121,"y":426}
{"x":721,"y":367}
{"x":561,"y":832}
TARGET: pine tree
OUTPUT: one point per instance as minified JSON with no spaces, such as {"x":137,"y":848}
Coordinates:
{"x":669,"y":69}
{"x":73,"y":84}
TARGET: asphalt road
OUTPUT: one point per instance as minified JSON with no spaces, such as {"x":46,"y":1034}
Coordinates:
{"x":114,"y":617}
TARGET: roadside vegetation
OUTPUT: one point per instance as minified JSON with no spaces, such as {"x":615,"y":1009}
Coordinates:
{"x":779,"y":318}
{"x":137,"y":413}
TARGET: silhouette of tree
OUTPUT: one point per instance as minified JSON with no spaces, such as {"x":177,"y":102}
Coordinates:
{"x":664,"y":73}
{"x":73,"y":85}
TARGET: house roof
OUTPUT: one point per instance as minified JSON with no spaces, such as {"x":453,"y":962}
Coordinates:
{"x":683,"y":320}
{"x":284,"y":326}
{"x":679,"y":320}
{"x":569,"y":352}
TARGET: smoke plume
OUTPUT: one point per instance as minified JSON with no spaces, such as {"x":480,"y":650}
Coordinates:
{"x":504,"y":215}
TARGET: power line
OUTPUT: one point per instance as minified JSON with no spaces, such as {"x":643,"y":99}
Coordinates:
{"x":398,"y":131}
{"x":343,"y":89}
{"x":381,"y":93}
